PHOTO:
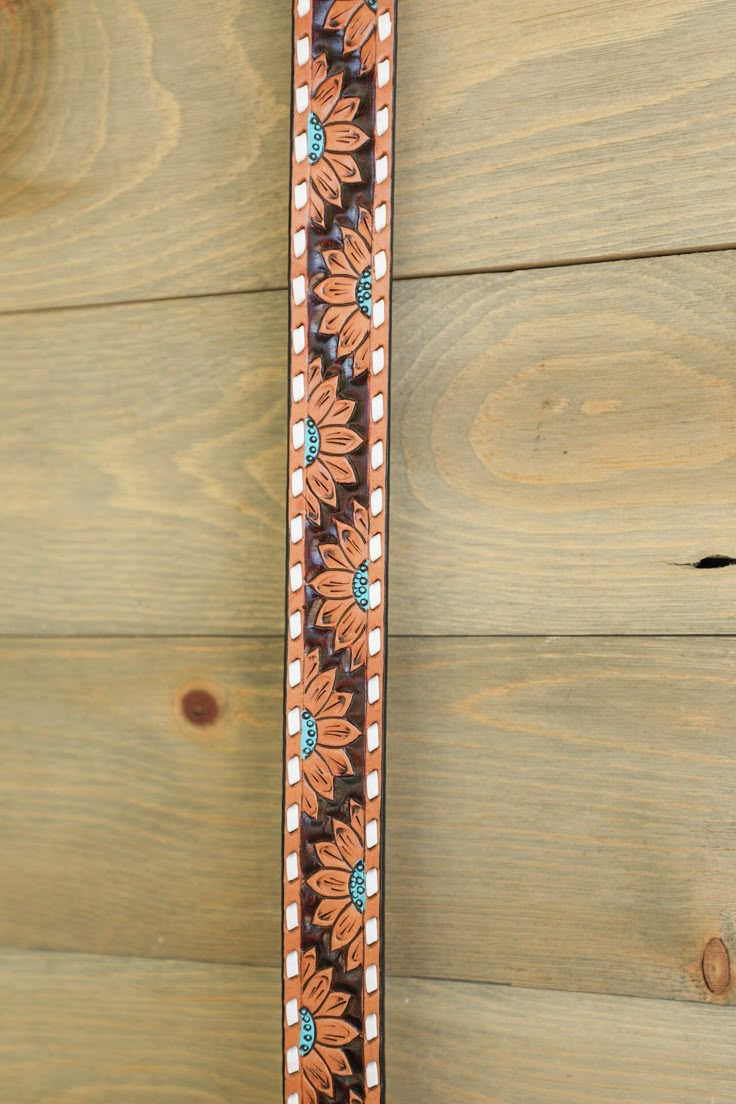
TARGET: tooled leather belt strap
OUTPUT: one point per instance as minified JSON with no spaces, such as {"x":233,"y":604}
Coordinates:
{"x":340,"y":249}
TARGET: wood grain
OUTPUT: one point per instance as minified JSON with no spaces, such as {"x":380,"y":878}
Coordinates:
{"x":88,"y":1030}
{"x":144,"y":143}
{"x":79,"y":1030}
{"x":562,"y":444}
{"x":559,"y":811}
{"x":123,"y":827}
{"x":143,"y":148}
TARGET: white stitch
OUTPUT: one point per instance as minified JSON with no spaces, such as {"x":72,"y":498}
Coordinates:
{"x":381,"y":169}
{"x":297,"y":482}
{"x":300,"y":243}
{"x":300,"y":195}
{"x":377,"y":455}
{"x":374,"y":594}
{"x":303,"y":7}
{"x":371,"y":1027}
{"x":302,"y":50}
{"x":371,"y":833}
{"x":295,"y":576}
{"x":295,"y":673}
{"x":380,"y":218}
{"x":297,"y":387}
{"x":376,"y":502}
{"x":299,"y":289}
{"x":292,"y":964}
{"x":297,"y":434}
{"x":293,"y":1098}
{"x":379,"y":313}
{"x":371,"y":882}
{"x":377,"y":408}
{"x":373,"y":737}
{"x":292,"y":1012}
{"x":295,"y":625}
{"x":293,"y":726}
{"x":292,"y":917}
{"x":374,"y":642}
{"x":292,"y":818}
{"x":298,"y":339}
{"x":379,"y":359}
{"x":371,"y":931}
{"x":374,"y":547}
{"x":380,"y":265}
{"x":302,"y":98}
{"x":384,"y":72}
{"x":371,"y":979}
{"x":384,"y":26}
{"x":292,"y":867}
{"x":371,"y":1073}
{"x":292,"y":1059}
{"x":374,"y":692}
{"x":300,"y":146}
{"x":292,"y":770}
{"x":297,"y":529}
{"x":382,"y":121}
{"x":371,"y":785}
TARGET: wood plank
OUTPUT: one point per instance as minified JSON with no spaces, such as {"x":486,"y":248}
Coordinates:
{"x":143,"y":468}
{"x":143,"y":148}
{"x":142,"y":142}
{"x":559,"y":811}
{"x":125,"y":828}
{"x":561,"y":442}
{"x":86,"y":1030}
{"x":104,"y":1031}
{"x":475,"y":1044}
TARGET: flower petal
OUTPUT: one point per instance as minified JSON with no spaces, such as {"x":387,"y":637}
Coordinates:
{"x":331,"y":611}
{"x":334,"y":1033}
{"x":331,"y":883}
{"x":318,"y":775}
{"x":338,"y":290}
{"x":338,"y":440}
{"x":333,"y":584}
{"x":318,"y":691}
{"x":339,"y":14}
{"x":346,"y":110}
{"x":326,"y":95}
{"x":315,"y":989}
{"x":344,"y":137}
{"x":354,"y":331}
{"x":321,"y":483}
{"x":337,"y":263}
{"x":356,"y":250}
{"x":353,"y":545}
{"x":335,"y":1004}
{"x":358,"y":28}
{"x":321,"y":399}
{"x":354,"y":955}
{"x":334,"y":319}
{"x":348,"y":925}
{"x":337,"y":760}
{"x":360,"y":520}
{"x":368,"y":55}
{"x":311,"y":665}
{"x":326,"y":181}
{"x":317,"y":1072}
{"x":319,"y":68}
{"x":334,"y":557}
{"x":345,"y":166}
{"x":317,"y":206}
{"x":329,"y":855}
{"x":309,"y":801}
{"x":341,"y":470}
{"x":337,"y":732}
{"x":351,"y":847}
{"x":328,"y":910}
{"x":336,"y":1060}
{"x":309,"y":964}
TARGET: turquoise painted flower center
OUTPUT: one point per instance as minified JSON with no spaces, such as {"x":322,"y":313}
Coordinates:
{"x":372,"y":4}
{"x":307,"y":1032}
{"x":360,"y":585}
{"x":315,"y":138}
{"x":363,"y":291}
{"x":311,"y":443}
{"x":309,"y":734}
{"x":356,"y":885}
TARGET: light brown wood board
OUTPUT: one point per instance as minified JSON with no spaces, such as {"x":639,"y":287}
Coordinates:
{"x":560,"y":811}
{"x":563,"y":442}
{"x":144,"y":149}
{"x":78,"y":1030}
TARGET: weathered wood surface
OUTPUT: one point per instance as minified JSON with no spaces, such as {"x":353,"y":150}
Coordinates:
{"x":560,"y":811}
{"x":84,"y":1030}
{"x":562,"y":443}
{"x":144,"y":143}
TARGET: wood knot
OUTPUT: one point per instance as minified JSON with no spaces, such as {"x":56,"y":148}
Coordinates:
{"x":716,"y":967}
{"x":200,"y":707}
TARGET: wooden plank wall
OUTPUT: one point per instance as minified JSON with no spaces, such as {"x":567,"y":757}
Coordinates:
{"x":561,"y":834}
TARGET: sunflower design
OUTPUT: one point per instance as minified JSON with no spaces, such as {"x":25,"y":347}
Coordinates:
{"x":343,"y":586}
{"x":358,"y":19}
{"x":341,"y":885}
{"x":325,"y":733}
{"x":347,"y":291}
{"x":332,"y":139}
{"x":327,"y":441}
{"x":322,"y":1033}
